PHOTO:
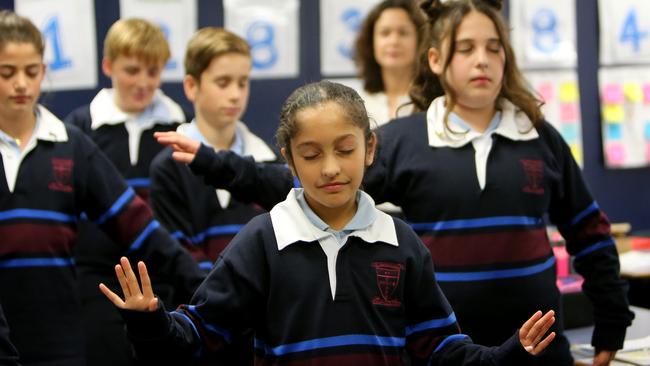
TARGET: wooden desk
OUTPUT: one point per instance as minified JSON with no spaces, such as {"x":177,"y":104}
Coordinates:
{"x":640,"y":328}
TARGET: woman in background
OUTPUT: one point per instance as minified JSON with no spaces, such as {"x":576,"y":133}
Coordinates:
{"x":385,"y":54}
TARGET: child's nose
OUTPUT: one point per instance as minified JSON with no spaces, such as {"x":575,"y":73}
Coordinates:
{"x":331,"y":166}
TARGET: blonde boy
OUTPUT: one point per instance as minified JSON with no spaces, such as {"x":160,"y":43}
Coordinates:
{"x":122,"y":120}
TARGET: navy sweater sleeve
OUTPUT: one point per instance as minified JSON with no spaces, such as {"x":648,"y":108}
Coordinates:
{"x":109,"y":202}
{"x":586,"y":230}
{"x":8,"y":353}
{"x":263,"y":183}
{"x":167,"y":197}
{"x":227,"y":303}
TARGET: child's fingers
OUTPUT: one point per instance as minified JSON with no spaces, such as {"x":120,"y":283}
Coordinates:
{"x":147,"y":289}
{"x":183,"y":157}
{"x":113,"y":297}
{"x":543,"y":344}
{"x":525,"y":329}
{"x":544,"y":325}
{"x":131,"y":280}
{"x":119,"y":272}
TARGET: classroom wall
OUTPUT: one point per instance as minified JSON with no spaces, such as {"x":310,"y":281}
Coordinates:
{"x":623,"y":194}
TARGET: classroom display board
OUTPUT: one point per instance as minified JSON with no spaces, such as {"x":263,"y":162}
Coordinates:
{"x":544,"y":41}
{"x":624,"y":82}
{"x":68,"y":27}
{"x":271,"y":27}
{"x":624,"y":32}
{"x":340,"y":21}
{"x":545,"y":33}
{"x":178,"y":20}
{"x":559,"y":91}
{"x":625,"y":110}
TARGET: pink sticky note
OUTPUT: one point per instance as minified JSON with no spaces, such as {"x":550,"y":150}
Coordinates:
{"x":646,"y":93}
{"x":545,"y":91}
{"x":615,"y":154}
{"x":569,"y":112}
{"x":613,"y":94}
{"x":647,"y":151}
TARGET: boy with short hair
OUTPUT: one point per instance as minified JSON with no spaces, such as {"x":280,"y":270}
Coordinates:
{"x":217,"y":67}
{"x":121,"y":120}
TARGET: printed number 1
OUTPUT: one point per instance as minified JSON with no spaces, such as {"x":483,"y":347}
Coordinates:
{"x":52,"y":33}
{"x":352,"y":20}
{"x":631,"y":31}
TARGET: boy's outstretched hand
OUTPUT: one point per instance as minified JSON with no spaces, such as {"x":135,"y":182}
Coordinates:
{"x":184,"y":147}
{"x":135,"y":298}
{"x":531,"y":333}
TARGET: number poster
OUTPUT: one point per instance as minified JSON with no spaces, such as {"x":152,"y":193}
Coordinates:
{"x":340,"y":21}
{"x":178,"y":20}
{"x":545,"y":33}
{"x":271,"y":28}
{"x":68,"y":27}
{"x":624,"y":32}
{"x":625,"y":110}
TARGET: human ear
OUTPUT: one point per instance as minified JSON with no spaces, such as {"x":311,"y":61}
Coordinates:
{"x":107,"y":67}
{"x":287,"y":158}
{"x":371,"y":147}
{"x":190,"y":85}
{"x":435,"y":60}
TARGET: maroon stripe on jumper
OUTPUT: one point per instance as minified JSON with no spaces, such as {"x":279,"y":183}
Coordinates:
{"x":487,"y":248}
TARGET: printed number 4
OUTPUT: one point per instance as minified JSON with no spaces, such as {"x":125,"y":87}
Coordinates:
{"x":631,"y":32}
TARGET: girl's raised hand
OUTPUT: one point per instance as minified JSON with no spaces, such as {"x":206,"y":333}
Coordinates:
{"x":184,"y":147}
{"x":531,"y":333}
{"x":135,"y":298}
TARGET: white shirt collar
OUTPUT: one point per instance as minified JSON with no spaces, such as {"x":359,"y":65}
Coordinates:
{"x":253,"y":145}
{"x":514,"y":125}
{"x":50,"y":127}
{"x":291,"y":225}
{"x":162,"y":110}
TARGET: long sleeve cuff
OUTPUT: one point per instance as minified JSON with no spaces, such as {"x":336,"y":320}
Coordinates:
{"x":512,"y":352}
{"x":144,"y":325}
{"x":607,"y":337}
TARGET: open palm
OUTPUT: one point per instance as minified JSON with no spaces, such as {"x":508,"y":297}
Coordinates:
{"x":135,"y":297}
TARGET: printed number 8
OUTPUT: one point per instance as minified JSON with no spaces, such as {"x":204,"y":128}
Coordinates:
{"x":546,"y":37}
{"x":261,"y":36}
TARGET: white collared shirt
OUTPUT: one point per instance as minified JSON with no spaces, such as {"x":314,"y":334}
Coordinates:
{"x":512,"y":123}
{"x":378,"y":110}
{"x":162,"y":110}
{"x":47,"y":128}
{"x":291,"y":225}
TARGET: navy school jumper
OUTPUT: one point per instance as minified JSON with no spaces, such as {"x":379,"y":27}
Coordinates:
{"x":63,"y":176}
{"x":387,"y":308}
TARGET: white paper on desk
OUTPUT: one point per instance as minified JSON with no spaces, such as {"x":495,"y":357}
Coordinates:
{"x":636,"y":351}
{"x":635,"y":262}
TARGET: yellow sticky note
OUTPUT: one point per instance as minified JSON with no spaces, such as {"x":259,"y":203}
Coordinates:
{"x":577,"y":153}
{"x":633,"y":92}
{"x":613,"y":113}
{"x":569,"y":92}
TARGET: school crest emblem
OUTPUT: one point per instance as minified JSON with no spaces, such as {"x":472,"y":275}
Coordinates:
{"x":388,"y":275}
{"x":534,"y":170}
{"x":62,"y":175}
